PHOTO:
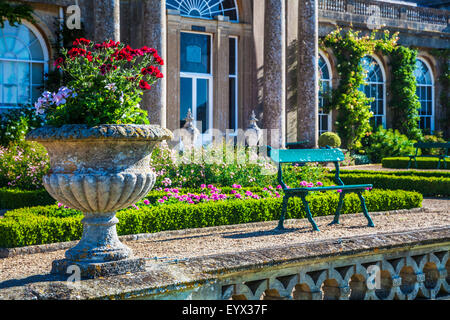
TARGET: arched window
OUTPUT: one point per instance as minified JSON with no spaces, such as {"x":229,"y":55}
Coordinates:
{"x":375,"y":88}
{"x":23,"y":62}
{"x":425,"y":92}
{"x":206,"y":9}
{"x":324,"y":91}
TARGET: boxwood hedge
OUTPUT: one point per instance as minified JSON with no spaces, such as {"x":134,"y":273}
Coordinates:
{"x":49,"y":224}
{"x":16,"y":198}
{"x":427,"y":186}
{"x":422,"y":163}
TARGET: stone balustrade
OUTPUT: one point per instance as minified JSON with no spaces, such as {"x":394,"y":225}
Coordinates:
{"x":403,"y":275}
{"x":391,"y":14}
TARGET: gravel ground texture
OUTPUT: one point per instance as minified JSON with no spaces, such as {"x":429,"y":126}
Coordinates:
{"x":238,"y":238}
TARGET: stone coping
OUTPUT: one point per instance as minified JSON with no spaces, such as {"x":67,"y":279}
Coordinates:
{"x":161,"y":277}
{"x":104,"y":131}
{"x":12,"y":252}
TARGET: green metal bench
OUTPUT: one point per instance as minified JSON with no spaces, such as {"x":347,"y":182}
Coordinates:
{"x":431,"y":145}
{"x":302,"y":156}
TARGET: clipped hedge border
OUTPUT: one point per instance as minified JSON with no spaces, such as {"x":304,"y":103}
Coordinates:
{"x":416,"y":173}
{"x":15,"y":198}
{"x":422,"y":163}
{"x":38,"y":225}
{"x":427,"y":186}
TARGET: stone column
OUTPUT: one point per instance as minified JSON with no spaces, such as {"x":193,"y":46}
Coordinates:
{"x":221,"y":74}
{"x":155,"y":36}
{"x":106,"y":20}
{"x":308,"y":82}
{"x":274,"y":99}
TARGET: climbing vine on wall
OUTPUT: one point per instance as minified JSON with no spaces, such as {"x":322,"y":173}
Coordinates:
{"x":352,"y":104}
{"x":404,"y":102}
{"x":14,"y":13}
{"x":444,"y":80}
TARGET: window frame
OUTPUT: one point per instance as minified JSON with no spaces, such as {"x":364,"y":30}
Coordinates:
{"x":383,"y":84}
{"x":207,"y":76}
{"x":236,"y":8}
{"x":44,"y":62}
{"x":236,"y":77}
{"x":330,"y":81}
{"x":432,"y":86}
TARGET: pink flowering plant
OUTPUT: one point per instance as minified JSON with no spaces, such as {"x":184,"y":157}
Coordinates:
{"x":23,"y":166}
{"x":105,"y":84}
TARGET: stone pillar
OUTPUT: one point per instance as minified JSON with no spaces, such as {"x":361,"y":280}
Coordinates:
{"x":106,"y":20}
{"x":221,"y":74}
{"x":274,"y":99}
{"x":155,"y":36}
{"x":308,"y":76}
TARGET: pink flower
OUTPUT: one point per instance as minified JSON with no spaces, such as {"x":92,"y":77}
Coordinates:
{"x":319,"y":183}
{"x":303,"y":183}
{"x":368,"y":189}
{"x":146,"y":202}
{"x":238,"y":196}
{"x":339,"y":191}
{"x":279,"y":187}
{"x":161,"y":200}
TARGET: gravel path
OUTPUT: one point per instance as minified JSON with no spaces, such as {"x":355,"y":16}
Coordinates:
{"x":246,"y":237}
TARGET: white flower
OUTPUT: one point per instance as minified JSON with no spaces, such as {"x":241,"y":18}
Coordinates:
{"x":111,"y":86}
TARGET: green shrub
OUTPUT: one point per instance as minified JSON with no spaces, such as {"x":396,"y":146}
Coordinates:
{"x":329,"y":139}
{"x":387,"y":143}
{"x":39,"y":225}
{"x":433,"y":139}
{"x":415,"y":173}
{"x":23,"y":165}
{"x":427,"y":186}
{"x":422,"y":163}
{"x":15,"y":198}
{"x":16,"y":123}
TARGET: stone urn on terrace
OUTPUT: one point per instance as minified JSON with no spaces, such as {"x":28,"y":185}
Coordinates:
{"x":99,"y":170}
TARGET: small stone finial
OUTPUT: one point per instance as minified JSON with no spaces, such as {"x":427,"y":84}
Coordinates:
{"x":191,"y":129}
{"x":254,"y":133}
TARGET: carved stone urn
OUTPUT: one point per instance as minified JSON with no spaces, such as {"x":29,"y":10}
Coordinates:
{"x":99,"y":170}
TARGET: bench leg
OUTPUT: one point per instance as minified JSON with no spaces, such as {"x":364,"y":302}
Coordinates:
{"x":339,"y":208}
{"x":409,"y":163}
{"x":308,"y":212}
{"x":283,"y":214}
{"x":366,"y":213}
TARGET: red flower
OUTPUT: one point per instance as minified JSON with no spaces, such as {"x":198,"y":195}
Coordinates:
{"x":158,"y":59}
{"x":148,"y":50}
{"x":58,"y":62}
{"x":81,"y":41}
{"x":144,"y":85}
{"x":144,"y":71}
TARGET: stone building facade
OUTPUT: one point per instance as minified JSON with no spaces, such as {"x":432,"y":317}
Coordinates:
{"x":226,"y":58}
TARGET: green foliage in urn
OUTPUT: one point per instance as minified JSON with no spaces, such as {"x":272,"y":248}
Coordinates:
{"x":404,"y":101}
{"x":105,"y":84}
{"x":353,"y":105}
{"x":14,"y":13}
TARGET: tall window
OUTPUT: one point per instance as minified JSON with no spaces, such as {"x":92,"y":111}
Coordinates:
{"x":196,"y":79}
{"x":233,"y":76}
{"x":23,"y":62}
{"x":375,"y":88}
{"x":324,"y":91}
{"x":206,"y":9}
{"x":425,"y":92}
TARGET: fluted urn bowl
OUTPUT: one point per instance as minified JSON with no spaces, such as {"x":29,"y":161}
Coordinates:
{"x":99,"y":170}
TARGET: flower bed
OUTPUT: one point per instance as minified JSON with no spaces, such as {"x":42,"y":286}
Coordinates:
{"x":49,"y":224}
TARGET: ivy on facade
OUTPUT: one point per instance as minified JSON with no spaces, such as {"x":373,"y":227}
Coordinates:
{"x":14,"y":13}
{"x":353,"y":121}
{"x":404,"y":103}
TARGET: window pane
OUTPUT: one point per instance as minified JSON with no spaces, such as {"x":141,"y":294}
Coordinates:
{"x":195,"y":53}
{"x":38,"y":73}
{"x":36,"y":51}
{"x":10,"y":94}
{"x":233,"y":115}
{"x":203,"y":104}
{"x":233,"y":43}
{"x":185,"y":99}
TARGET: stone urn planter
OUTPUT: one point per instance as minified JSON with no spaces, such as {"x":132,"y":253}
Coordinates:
{"x":98,"y":171}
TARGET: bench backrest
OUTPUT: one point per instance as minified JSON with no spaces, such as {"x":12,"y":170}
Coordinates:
{"x":445,"y":145}
{"x":306,"y":155}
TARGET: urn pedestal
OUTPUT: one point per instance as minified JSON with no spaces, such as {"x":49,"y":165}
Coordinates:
{"x":98,"y":171}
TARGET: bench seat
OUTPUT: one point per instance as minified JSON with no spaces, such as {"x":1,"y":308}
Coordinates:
{"x":323,"y":189}
{"x":303,"y":156}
